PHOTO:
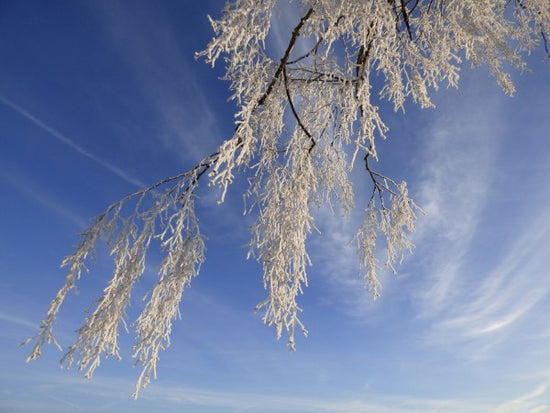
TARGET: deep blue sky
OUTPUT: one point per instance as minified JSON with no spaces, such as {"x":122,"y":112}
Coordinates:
{"x":99,"y":98}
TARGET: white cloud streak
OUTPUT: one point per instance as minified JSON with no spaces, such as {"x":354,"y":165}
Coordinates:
{"x":186,"y":124}
{"x":8,"y":318}
{"x":532,"y":402}
{"x":175,"y":396}
{"x":507,"y":293}
{"x":250,"y":402}
{"x":469,"y":309}
{"x":71,"y":144}
{"x":457,"y":174}
{"x":27,"y":189}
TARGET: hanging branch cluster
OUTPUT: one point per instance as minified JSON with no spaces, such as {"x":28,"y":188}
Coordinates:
{"x":322,"y":83}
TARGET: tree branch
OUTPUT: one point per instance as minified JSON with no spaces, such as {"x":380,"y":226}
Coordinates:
{"x":405,"y":14}
{"x":316,"y":46}
{"x":545,"y":42}
{"x":284,"y":59}
{"x":295,"y":113}
{"x":207,"y":162}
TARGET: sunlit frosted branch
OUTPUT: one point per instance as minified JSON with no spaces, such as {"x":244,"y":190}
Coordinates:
{"x":303,"y":118}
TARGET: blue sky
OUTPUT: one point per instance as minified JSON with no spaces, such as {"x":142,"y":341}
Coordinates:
{"x":99,"y":98}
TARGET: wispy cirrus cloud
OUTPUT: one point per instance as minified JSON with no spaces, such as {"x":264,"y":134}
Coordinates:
{"x":507,"y":293}
{"x":29,"y":190}
{"x":535,"y":401}
{"x":275,"y":403}
{"x":18,"y":321}
{"x":71,"y":144}
{"x":172,"y":397}
{"x":458,"y":168}
{"x":468,"y":304}
{"x":457,"y":159}
{"x":147,"y":42}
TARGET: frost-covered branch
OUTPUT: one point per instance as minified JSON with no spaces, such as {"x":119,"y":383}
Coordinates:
{"x":303,"y":118}
{"x":170,"y":218}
